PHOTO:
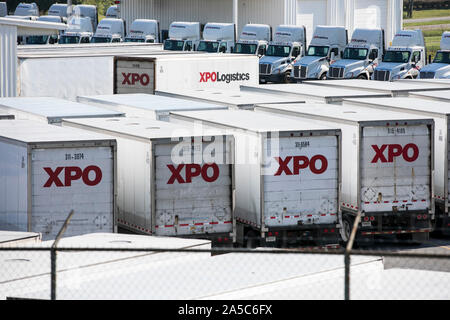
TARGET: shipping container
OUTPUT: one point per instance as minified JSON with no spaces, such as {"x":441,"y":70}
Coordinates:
{"x":52,"y":110}
{"x":387,"y":165}
{"x":146,"y":105}
{"x":147,"y":74}
{"x":46,"y":171}
{"x":279,"y":201}
{"x":176,"y":183}
{"x":440,"y":113}
{"x":233,"y":99}
{"x":313,"y":93}
{"x":395,"y":88}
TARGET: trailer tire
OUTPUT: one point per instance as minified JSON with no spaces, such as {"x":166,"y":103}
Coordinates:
{"x":251,"y":240}
{"x":346,"y":230}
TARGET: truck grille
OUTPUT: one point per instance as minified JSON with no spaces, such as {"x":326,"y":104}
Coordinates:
{"x":336,"y":72}
{"x":426,"y":75}
{"x":300,"y":72}
{"x":381,"y":75}
{"x":265,"y":68}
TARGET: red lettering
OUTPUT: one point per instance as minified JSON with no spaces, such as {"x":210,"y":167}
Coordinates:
{"x":53,"y":177}
{"x":175,"y":174}
{"x":193,"y":170}
{"x":72,"y":174}
{"x":301,"y":162}
{"x":145,"y":79}
{"x":126,"y":78}
{"x":98,"y":175}
{"x":313,"y":164}
{"x":395,"y":150}
{"x":215,"y":174}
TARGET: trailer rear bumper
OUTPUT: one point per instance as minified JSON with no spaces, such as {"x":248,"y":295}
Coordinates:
{"x":388,"y":232}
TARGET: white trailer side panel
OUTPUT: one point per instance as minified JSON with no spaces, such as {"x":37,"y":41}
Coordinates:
{"x":80,"y":178}
{"x":395,"y":168}
{"x":65,"y":77}
{"x":307,"y":189}
{"x":13,"y":187}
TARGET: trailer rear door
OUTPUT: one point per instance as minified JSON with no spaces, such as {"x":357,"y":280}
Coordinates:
{"x":395,"y":168}
{"x":302,"y":182}
{"x":81,"y":179}
{"x":192,"y":197}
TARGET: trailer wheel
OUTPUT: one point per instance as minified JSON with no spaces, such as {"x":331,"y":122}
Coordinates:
{"x":346,"y":229}
{"x":251,"y":240}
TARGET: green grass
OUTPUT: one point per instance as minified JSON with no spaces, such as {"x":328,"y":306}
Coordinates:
{"x":426,"y":23}
{"x":419,"y":14}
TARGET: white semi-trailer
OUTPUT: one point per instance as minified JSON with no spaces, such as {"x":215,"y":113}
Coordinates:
{"x":46,"y":171}
{"x":387,"y":167}
{"x":287,"y":176}
{"x":178,"y":181}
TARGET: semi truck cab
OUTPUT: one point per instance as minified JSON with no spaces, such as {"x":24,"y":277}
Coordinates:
{"x":183,"y":36}
{"x":361,"y":55}
{"x":325,"y":48}
{"x":109,"y":30}
{"x":79,"y":31}
{"x":440,"y":68}
{"x":44,"y":39}
{"x":404,"y":58}
{"x":289,"y":43}
{"x":218,"y":37}
{"x":143,"y":30}
{"x":254,"y":39}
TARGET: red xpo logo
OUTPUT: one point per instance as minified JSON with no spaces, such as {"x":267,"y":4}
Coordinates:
{"x":71,"y":174}
{"x":409,"y":152}
{"x":302,"y":162}
{"x":193,"y":170}
{"x":133,"y":78}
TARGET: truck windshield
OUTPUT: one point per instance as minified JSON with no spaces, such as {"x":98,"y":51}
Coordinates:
{"x":100,"y":40}
{"x":318,"y":51}
{"x":175,"y":45}
{"x":442,"y":57}
{"x":37,"y":39}
{"x":396,"y":56}
{"x":69,"y":39}
{"x":355,"y":53}
{"x":208,"y":46}
{"x":278,"y":51}
{"x":133,"y":40}
{"x":245,"y":48}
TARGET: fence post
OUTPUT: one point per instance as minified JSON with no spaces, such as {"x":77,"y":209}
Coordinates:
{"x":347,"y":257}
{"x":53,"y":256}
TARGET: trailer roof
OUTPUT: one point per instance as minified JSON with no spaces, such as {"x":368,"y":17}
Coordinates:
{"x":441,"y":95}
{"x":423,"y":106}
{"x":28,"y":131}
{"x":230,"y":97}
{"x":253,"y":121}
{"x":313,"y":91}
{"x":148,"y":102}
{"x":54,"y":108}
{"x":137,"y":127}
{"x":379,"y":86}
{"x":354,"y":114}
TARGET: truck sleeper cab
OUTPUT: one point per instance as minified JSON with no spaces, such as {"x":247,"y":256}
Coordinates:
{"x":289,"y":43}
{"x":183,"y":36}
{"x":404,"y":58}
{"x":325,"y":48}
{"x":440,"y":68}
{"x":254,"y":39}
{"x":361,"y":55}
{"x":218,"y":37}
{"x":143,"y":30}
